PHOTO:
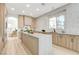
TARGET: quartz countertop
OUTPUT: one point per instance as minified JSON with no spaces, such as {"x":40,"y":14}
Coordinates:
{"x":39,"y":35}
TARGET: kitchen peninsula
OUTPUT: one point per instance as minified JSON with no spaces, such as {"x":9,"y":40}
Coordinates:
{"x":37,"y":43}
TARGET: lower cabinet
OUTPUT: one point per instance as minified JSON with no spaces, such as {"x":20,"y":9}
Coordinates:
{"x":31,"y":43}
{"x":74,"y":43}
{"x":67,"y":41}
{"x":63,"y":41}
{"x":54,"y":38}
{"x":59,"y":39}
{"x":78,"y":45}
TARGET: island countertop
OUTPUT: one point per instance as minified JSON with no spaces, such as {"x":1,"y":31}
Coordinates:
{"x":38,"y":35}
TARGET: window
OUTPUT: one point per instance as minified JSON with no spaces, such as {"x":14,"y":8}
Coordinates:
{"x":52,"y":22}
{"x":57,"y":22}
{"x":60,"y":22}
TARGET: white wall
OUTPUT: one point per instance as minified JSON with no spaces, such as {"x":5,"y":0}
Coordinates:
{"x":71,"y":21}
{"x":42,"y":23}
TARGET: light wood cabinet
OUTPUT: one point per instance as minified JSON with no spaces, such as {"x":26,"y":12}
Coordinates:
{"x":2,"y":25}
{"x":54,"y":38}
{"x":71,"y":40}
{"x":31,"y":43}
{"x":58,"y":39}
{"x":63,"y":41}
{"x":66,"y":40}
{"x":78,"y":44}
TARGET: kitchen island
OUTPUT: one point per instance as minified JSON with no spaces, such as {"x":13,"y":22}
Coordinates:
{"x":38,"y":44}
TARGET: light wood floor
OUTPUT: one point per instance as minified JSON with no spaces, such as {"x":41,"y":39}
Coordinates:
{"x":57,"y":50}
{"x":14,"y":46}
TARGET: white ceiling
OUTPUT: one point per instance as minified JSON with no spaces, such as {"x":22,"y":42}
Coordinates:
{"x":31,"y":11}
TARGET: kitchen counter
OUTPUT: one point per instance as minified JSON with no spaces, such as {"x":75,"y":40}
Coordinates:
{"x":38,"y":43}
{"x":67,"y":34}
{"x":38,"y":35}
{"x":68,"y":41}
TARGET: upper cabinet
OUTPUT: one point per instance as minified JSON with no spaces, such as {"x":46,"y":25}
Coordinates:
{"x":30,"y":21}
{"x":26,"y":20}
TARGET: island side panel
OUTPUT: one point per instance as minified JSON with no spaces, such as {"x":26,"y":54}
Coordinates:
{"x":45,"y":45}
{"x":32,"y":43}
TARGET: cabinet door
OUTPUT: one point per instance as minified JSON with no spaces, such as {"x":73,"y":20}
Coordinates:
{"x":58,"y":39}
{"x":67,"y":41}
{"x":63,"y":41}
{"x":54,"y":38}
{"x":75,"y":43}
{"x":71,"y":40}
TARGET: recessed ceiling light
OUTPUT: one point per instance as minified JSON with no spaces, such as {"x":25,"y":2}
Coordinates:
{"x":37,"y":9}
{"x":27,"y":5}
{"x":13,"y":9}
{"x":23,"y":11}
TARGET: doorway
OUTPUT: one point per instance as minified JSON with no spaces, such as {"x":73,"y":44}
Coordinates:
{"x":12,"y":26}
